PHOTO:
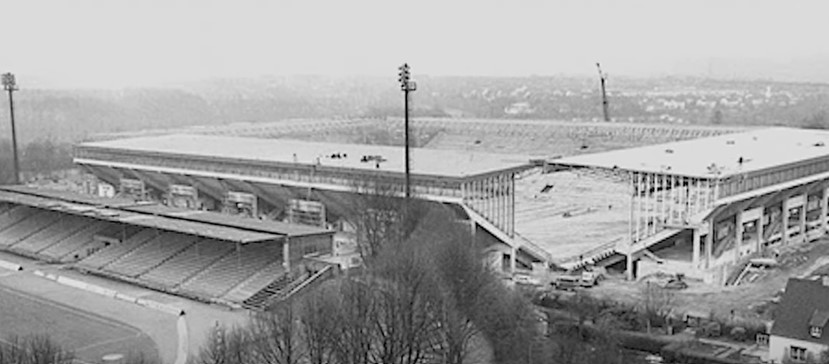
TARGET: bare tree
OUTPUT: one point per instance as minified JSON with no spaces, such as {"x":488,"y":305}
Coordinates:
{"x":275,"y":336}
{"x":225,"y":346}
{"x":383,"y":217}
{"x":35,"y":349}
{"x":657,"y":303}
{"x":318,"y":326}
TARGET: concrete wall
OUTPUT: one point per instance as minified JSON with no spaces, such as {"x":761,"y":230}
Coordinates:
{"x":317,"y":244}
{"x":779,"y":348}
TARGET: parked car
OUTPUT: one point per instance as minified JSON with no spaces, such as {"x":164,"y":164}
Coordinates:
{"x":568,"y":283}
{"x":524,"y":279}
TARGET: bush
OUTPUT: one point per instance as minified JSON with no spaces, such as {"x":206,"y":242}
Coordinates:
{"x":642,"y":342}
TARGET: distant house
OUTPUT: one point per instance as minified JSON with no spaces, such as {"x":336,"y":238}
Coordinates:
{"x":799,"y":330}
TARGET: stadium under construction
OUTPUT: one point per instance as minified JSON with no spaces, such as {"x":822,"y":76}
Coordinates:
{"x":681,"y":199}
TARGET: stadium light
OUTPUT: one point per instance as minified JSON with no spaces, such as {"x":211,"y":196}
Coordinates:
{"x":10,"y":85}
{"x":406,"y":85}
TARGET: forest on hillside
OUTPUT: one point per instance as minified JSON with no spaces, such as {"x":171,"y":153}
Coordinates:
{"x":73,"y":115}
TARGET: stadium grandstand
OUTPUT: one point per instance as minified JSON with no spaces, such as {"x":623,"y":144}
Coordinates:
{"x":700,"y":206}
{"x":289,"y":179}
{"x":198,"y":254}
{"x":636,"y":196}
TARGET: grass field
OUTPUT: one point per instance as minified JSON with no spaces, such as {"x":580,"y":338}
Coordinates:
{"x":88,"y":335}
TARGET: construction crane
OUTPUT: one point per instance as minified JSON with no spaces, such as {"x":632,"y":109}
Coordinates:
{"x":603,"y":78}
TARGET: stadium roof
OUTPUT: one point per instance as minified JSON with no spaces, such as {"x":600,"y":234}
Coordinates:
{"x":200,"y":223}
{"x":213,"y":218}
{"x":429,"y":162}
{"x":714,"y":157}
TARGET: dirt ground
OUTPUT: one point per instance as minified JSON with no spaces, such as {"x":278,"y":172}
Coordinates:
{"x":748,"y":301}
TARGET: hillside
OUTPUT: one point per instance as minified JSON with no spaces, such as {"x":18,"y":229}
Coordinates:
{"x":72,"y":115}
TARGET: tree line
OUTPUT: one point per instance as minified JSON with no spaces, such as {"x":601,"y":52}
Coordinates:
{"x":424,"y":296}
{"x":36,"y":158}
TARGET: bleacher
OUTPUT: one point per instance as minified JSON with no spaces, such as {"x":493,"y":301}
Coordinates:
{"x":61,"y":251}
{"x":63,"y":228}
{"x":256,"y":283}
{"x":14,"y":214}
{"x":114,"y":251}
{"x":27,"y":226}
{"x":158,"y":253}
{"x":151,"y":254}
{"x":188,"y":262}
{"x":232,"y":269}
{"x":571,"y":212}
{"x":5,"y":207}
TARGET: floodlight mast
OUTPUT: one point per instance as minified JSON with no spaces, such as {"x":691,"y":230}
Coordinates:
{"x":605,"y":106}
{"x":10,"y":85}
{"x":406,"y":85}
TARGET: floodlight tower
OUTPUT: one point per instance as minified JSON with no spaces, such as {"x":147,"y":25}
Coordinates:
{"x":406,"y":85}
{"x":10,"y":85}
{"x":603,"y":78}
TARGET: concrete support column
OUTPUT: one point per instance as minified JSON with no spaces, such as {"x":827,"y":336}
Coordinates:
{"x":629,"y":265}
{"x":671,"y":203}
{"x":513,"y":259}
{"x":647,"y":202}
{"x":499,"y":193}
{"x":652,"y":204}
{"x":803,"y":210}
{"x":784,"y":226}
{"x":686,"y":198}
{"x":638,"y":210}
{"x":738,"y":234}
{"x":824,"y":200}
{"x":695,"y":254}
{"x":487,"y":199}
{"x":512,"y":204}
{"x":286,"y":254}
{"x":663,"y":194}
{"x":760,"y":229}
{"x":709,"y":242}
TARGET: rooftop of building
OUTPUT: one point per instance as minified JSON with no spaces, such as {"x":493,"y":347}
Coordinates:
{"x":803,"y":304}
{"x":714,"y":157}
{"x":426,"y":162}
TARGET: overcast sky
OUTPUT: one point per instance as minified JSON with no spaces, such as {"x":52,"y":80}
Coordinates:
{"x":116,"y":43}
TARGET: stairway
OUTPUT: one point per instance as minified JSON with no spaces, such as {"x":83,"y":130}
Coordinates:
{"x":261,"y":298}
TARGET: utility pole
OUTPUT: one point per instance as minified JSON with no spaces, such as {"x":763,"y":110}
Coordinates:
{"x":10,"y":85}
{"x":406,"y":85}
{"x":603,"y":78}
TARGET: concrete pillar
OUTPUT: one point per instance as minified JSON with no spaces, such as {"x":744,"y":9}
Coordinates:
{"x":629,"y":265}
{"x":695,"y":254}
{"x":784,"y":226}
{"x":824,"y":200}
{"x":513,"y":259}
{"x":738,"y":234}
{"x":709,"y":242}
{"x":671,"y":206}
{"x":638,"y":206}
{"x":663,"y":210}
{"x":646,"y":199}
{"x":760,"y":229}
{"x":803,"y":210}
{"x":286,"y":254}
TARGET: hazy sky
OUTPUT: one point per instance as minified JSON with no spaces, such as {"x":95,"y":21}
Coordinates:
{"x":115,"y":43}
